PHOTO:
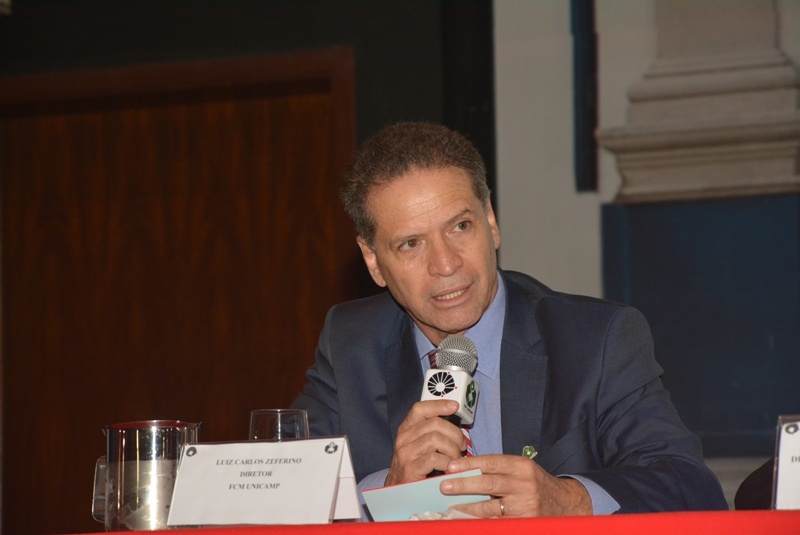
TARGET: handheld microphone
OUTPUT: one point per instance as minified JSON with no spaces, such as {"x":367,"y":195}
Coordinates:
{"x":456,"y":360}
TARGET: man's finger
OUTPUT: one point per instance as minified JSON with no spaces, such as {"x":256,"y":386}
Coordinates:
{"x":424,"y":410}
{"x":430,"y":443}
{"x":492,"y":464}
{"x":491,"y":485}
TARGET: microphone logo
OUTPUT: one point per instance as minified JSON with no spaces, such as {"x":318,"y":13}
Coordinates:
{"x":472,"y":395}
{"x":440,"y":384}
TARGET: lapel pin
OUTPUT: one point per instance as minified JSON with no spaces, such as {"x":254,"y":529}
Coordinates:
{"x":529,"y":452}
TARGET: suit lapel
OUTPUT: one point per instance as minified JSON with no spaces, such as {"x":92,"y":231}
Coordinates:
{"x":523,"y":373}
{"x":403,"y":376}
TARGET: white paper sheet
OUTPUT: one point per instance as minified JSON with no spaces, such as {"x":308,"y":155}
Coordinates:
{"x":401,"y":502}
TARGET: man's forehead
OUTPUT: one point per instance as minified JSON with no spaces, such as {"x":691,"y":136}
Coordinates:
{"x":425,"y":178}
{"x":420,"y":188}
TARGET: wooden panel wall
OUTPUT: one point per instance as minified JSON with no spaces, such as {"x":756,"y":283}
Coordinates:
{"x":172,"y":238}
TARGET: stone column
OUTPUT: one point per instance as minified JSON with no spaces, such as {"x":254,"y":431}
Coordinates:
{"x":717,"y":114}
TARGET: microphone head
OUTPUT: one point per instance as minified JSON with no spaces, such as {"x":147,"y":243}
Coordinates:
{"x":457,"y":351}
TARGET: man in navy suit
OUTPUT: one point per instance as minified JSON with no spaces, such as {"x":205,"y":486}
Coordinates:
{"x":570,"y":381}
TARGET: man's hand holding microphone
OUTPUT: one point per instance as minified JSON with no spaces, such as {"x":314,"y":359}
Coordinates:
{"x":430,"y":442}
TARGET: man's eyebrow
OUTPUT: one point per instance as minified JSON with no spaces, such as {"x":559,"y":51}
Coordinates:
{"x":453,"y":220}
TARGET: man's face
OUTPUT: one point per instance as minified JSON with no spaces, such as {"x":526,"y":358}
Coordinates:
{"x":435,"y":249}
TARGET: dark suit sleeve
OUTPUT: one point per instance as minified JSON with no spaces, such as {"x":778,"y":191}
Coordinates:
{"x":651,"y":461}
{"x":319,"y":395}
{"x":346,"y":389}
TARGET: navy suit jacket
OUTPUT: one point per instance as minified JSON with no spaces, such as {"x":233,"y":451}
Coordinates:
{"x":578,"y":381}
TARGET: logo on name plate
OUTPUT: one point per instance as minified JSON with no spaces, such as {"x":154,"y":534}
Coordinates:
{"x":331,"y":448}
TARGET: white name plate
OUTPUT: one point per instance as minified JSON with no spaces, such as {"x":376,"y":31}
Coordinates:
{"x":787,"y":463}
{"x":308,"y":481}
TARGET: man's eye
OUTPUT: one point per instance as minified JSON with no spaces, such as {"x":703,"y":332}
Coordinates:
{"x":463,"y":225}
{"x":410,"y":244}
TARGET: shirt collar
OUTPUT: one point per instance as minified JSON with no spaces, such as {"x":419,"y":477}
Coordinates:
{"x":487,"y":335}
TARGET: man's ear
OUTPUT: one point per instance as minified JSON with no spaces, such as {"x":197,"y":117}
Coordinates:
{"x":372,"y":262}
{"x":493,"y":225}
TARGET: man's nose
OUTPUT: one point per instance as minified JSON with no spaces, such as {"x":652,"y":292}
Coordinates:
{"x":444,"y":259}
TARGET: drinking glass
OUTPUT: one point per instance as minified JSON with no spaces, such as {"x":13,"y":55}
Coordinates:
{"x":278,"y":424}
